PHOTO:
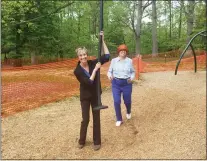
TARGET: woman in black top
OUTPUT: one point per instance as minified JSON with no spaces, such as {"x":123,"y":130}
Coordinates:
{"x":85,"y":72}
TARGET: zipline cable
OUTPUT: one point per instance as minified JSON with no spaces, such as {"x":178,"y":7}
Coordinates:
{"x":49,"y":14}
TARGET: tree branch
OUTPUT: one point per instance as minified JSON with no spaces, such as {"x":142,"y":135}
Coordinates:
{"x":146,"y":5}
{"x":132,"y":19}
{"x":145,"y":15}
{"x":58,"y":9}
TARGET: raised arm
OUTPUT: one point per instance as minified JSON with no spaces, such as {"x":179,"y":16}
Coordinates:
{"x":105,"y":48}
{"x":105,"y":57}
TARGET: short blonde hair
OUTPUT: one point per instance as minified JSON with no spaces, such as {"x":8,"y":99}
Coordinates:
{"x":81,"y":50}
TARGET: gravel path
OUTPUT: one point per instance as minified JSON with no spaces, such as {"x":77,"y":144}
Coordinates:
{"x":168,"y":122}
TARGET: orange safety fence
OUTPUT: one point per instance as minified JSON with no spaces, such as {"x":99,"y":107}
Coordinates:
{"x":29,"y":87}
{"x":185,"y":64}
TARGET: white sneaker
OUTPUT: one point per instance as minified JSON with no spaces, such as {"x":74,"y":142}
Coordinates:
{"x":118,"y":123}
{"x":128,"y":116}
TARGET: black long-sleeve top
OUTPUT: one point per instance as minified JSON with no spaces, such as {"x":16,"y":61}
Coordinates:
{"x":88,"y":88}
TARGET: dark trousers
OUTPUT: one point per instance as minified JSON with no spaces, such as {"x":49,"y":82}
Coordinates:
{"x":121,"y":87}
{"x":85,"y":106}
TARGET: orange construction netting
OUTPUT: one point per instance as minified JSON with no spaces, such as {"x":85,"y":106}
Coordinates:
{"x":29,"y":87}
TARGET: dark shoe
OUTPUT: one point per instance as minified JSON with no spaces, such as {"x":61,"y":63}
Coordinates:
{"x":80,"y":146}
{"x":100,"y":107}
{"x":96,"y":147}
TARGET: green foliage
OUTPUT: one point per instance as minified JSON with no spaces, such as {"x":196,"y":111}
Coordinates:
{"x":30,"y":26}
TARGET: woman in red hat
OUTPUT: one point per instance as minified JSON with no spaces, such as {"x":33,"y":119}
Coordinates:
{"x":121,"y":73}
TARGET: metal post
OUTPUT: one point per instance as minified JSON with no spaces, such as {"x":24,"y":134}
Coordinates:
{"x":100,"y":106}
{"x":189,"y":44}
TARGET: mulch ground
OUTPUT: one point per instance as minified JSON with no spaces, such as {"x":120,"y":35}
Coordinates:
{"x":168,"y":122}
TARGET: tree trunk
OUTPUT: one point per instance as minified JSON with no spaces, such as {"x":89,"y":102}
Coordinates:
{"x":189,"y":14}
{"x":170,"y":35}
{"x":154,"y":30}
{"x":180,"y":23}
{"x":18,"y":60}
{"x":165,"y":18}
{"x":138,"y":42}
{"x":78,"y":35}
{"x":33,"y":58}
{"x":190,"y":19}
{"x":138,"y":27}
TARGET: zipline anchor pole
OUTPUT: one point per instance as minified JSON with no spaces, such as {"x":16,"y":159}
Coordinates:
{"x":100,"y":106}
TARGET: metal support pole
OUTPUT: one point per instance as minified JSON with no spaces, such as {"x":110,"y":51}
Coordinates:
{"x":100,"y":106}
{"x":189,"y":44}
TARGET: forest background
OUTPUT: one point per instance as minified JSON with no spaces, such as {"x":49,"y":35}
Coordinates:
{"x":45,"y":31}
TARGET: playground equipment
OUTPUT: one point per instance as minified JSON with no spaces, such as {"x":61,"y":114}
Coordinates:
{"x":184,"y":51}
{"x":100,"y":106}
